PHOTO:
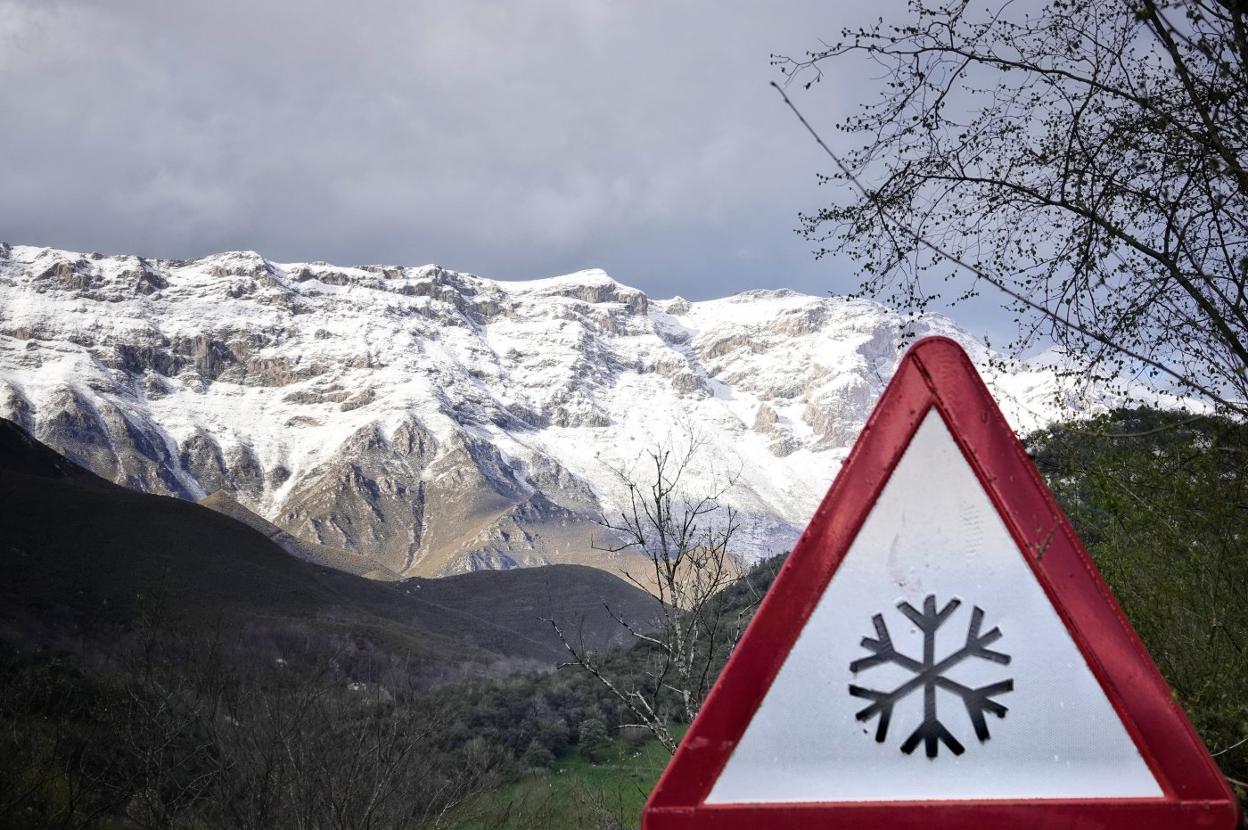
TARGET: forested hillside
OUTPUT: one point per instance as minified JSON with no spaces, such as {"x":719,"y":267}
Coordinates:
{"x":172,"y":727}
{"x":1160,"y":500}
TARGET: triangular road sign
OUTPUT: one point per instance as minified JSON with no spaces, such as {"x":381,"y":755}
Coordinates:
{"x":939,"y":651}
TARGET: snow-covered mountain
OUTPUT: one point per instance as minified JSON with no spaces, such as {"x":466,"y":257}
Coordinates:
{"x":431,"y":421}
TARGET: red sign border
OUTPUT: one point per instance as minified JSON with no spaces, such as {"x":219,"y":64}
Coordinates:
{"x":937,"y":374}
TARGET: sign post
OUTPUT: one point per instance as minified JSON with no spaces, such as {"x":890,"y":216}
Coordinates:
{"x":939,"y":651}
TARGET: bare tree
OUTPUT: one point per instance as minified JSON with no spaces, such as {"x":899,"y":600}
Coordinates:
{"x":305,"y":748}
{"x":685,"y":532}
{"x":181,"y":729}
{"x":1083,"y":158}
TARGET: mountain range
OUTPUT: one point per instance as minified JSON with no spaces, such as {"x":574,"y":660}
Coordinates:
{"x":416,"y":421}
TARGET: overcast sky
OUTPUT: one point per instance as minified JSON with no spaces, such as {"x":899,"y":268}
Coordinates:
{"x":512,"y":140}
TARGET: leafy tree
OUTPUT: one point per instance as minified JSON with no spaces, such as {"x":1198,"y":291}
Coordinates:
{"x":537,"y":756}
{"x":1084,"y":159}
{"x":593,"y":740}
{"x":1162,"y":503}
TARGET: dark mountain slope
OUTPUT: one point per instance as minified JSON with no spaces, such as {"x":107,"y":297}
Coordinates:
{"x":80,"y":556}
{"x":510,"y":601}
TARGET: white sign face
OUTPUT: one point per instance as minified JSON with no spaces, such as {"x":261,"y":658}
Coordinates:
{"x":934,"y":667}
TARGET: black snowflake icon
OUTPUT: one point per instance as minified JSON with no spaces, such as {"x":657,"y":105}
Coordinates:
{"x":930,"y":674}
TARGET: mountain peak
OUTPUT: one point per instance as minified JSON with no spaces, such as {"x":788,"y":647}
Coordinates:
{"x":592,"y":285}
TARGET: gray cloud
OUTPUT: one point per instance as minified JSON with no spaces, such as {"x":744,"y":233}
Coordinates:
{"x":509,"y":139}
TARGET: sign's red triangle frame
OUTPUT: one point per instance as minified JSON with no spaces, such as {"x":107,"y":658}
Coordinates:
{"x":936,"y":373}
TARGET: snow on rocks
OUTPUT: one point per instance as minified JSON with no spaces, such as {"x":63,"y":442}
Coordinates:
{"x":438,"y":421}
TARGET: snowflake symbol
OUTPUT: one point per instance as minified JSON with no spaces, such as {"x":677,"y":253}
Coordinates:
{"x":930,"y":675}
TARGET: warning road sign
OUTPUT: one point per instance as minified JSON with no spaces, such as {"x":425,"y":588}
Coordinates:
{"x":938,"y":650}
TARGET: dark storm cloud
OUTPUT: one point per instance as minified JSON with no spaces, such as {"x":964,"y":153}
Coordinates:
{"x":513,"y":140}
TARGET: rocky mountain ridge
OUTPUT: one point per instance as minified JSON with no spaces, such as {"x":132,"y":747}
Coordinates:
{"x":432,"y":422}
